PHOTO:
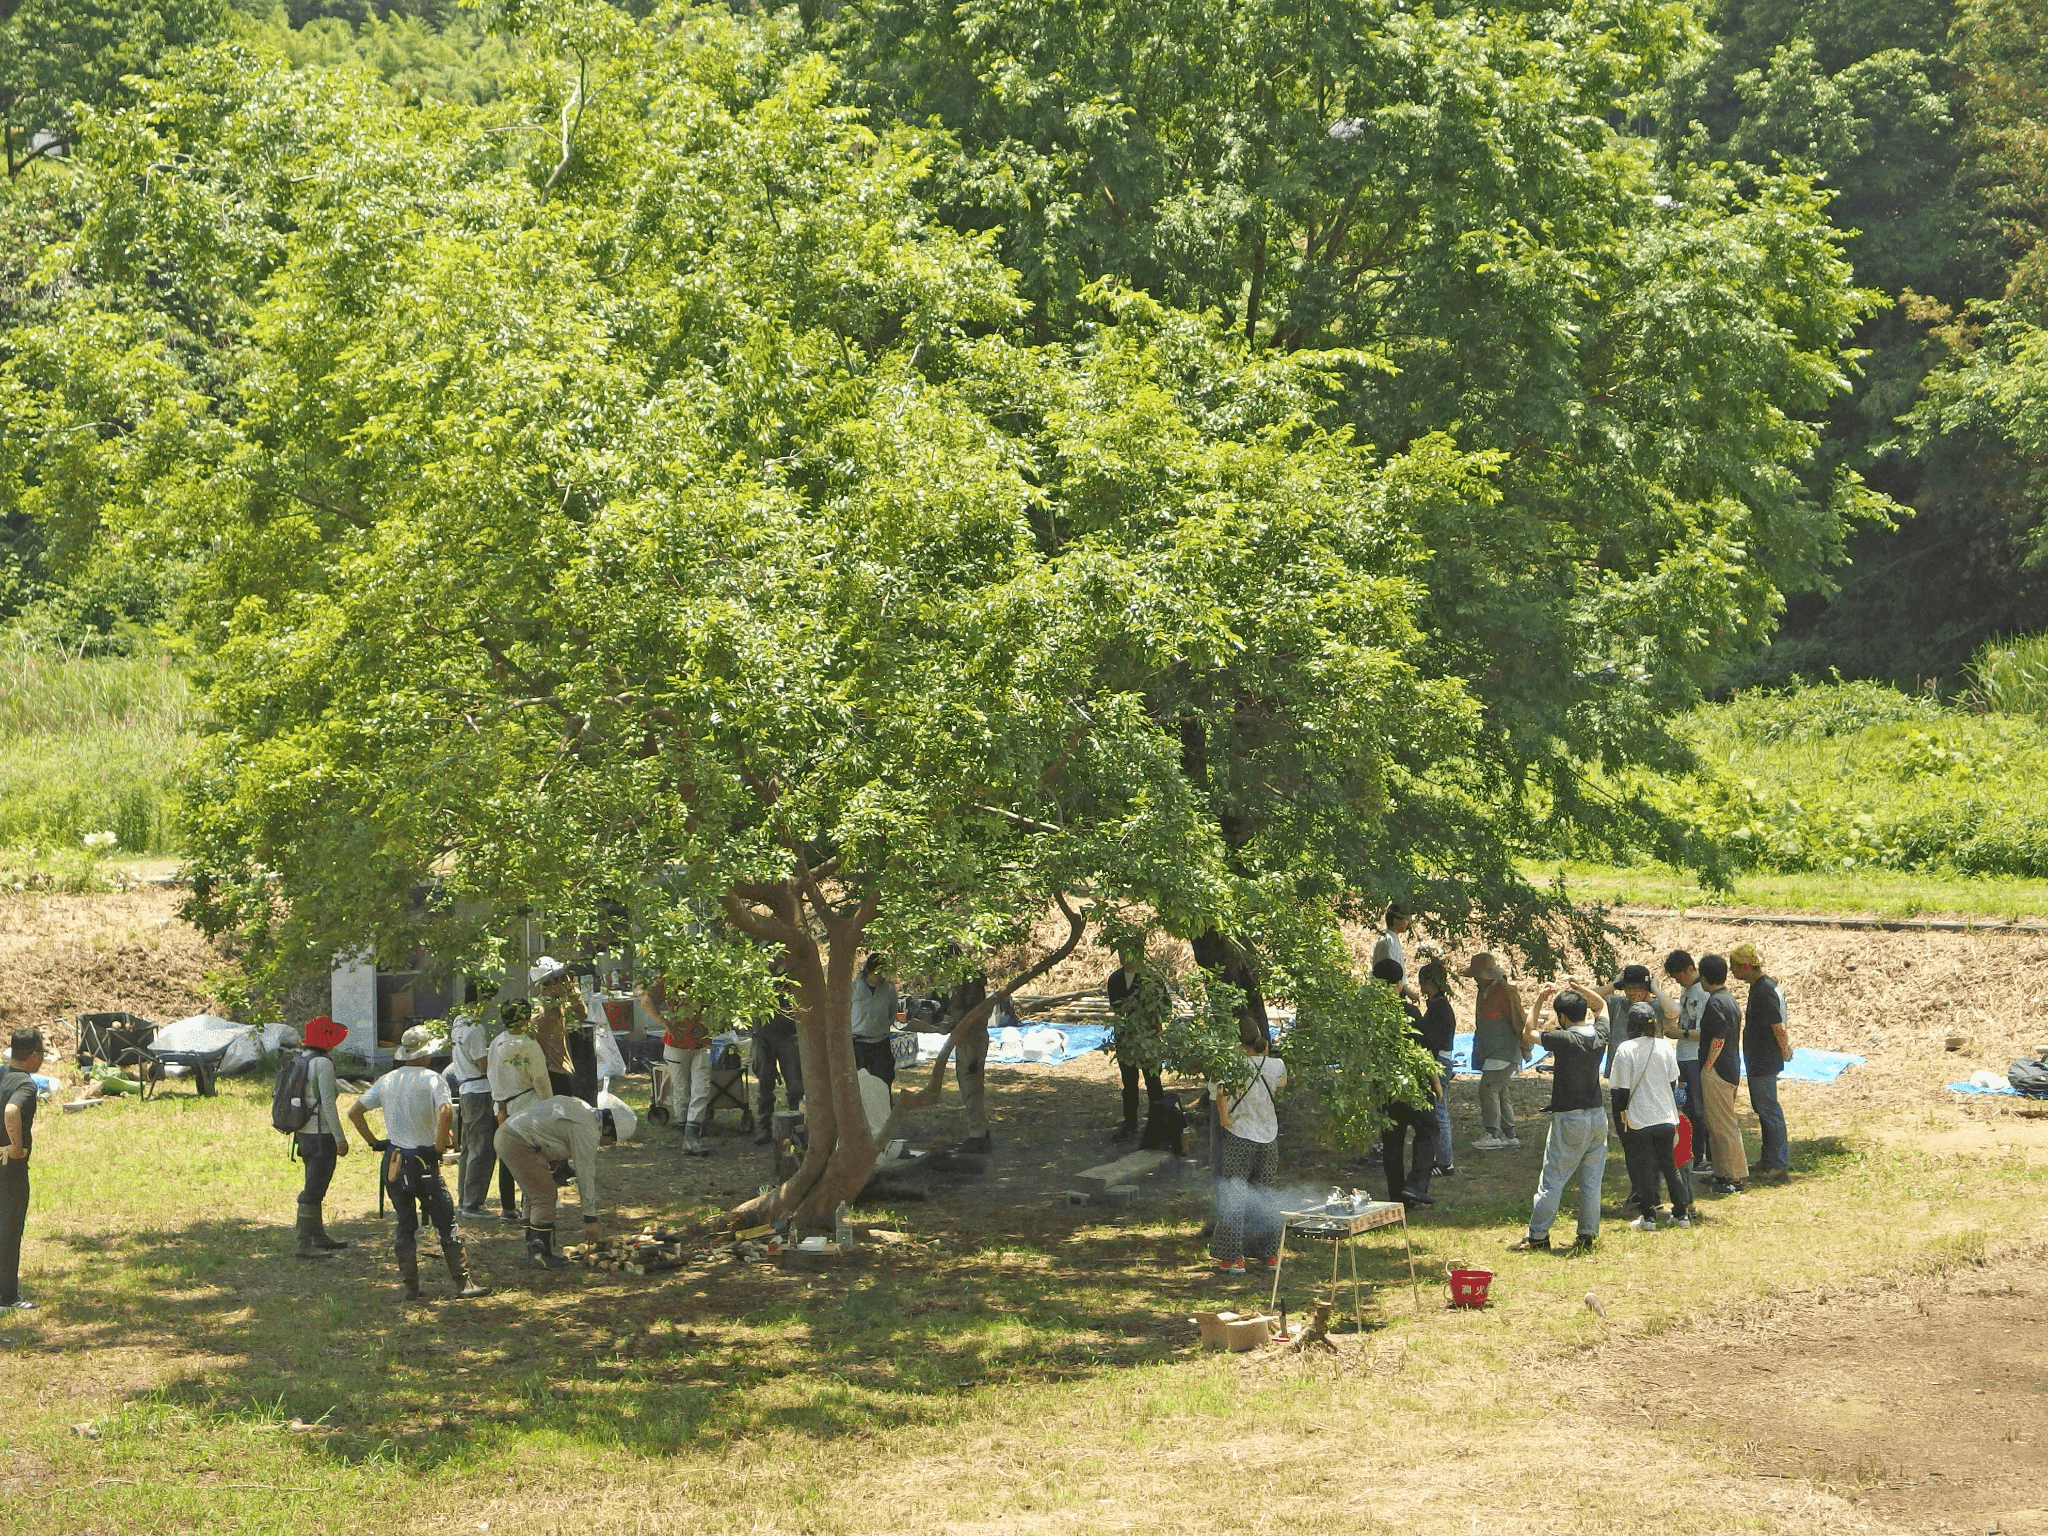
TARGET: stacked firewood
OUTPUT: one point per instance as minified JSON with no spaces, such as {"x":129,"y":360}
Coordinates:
{"x":646,"y":1252}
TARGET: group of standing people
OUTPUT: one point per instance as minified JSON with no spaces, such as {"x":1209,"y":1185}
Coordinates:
{"x":1672,"y":1068}
{"x":521,"y":1117}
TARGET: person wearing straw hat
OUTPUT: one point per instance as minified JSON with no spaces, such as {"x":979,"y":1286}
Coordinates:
{"x":1497,"y":1050}
{"x":1765,"y":1050}
{"x":419,"y":1119}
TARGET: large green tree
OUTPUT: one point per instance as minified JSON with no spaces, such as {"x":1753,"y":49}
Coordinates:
{"x":625,"y":494}
{"x":1636,"y":350}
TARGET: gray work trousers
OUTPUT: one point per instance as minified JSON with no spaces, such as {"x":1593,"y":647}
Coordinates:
{"x":479,"y":1129}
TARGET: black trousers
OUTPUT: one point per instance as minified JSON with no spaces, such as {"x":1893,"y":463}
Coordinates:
{"x":13,"y":1218}
{"x":1649,"y":1155}
{"x":876,"y":1058}
{"x":774,"y":1055}
{"x":1153,"y":1092}
{"x":317,"y":1153}
{"x":1420,"y":1124}
{"x":413,"y":1175}
{"x":583,"y":1065}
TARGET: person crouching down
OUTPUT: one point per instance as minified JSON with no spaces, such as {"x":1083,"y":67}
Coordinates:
{"x":420,"y":1119}
{"x":566,"y":1128}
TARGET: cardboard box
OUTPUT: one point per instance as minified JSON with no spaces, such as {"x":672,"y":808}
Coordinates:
{"x":1229,"y":1330}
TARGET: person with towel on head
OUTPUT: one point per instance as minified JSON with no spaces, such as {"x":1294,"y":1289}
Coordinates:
{"x":419,"y":1117}
{"x":321,"y":1140}
{"x":562,"y":1128}
{"x":518,"y":1075}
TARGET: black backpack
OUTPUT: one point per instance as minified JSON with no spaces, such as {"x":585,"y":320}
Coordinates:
{"x":291,"y":1100}
{"x":2029,"y":1078}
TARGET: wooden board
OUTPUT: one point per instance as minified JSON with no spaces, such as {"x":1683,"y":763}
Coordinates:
{"x":1128,"y":1169}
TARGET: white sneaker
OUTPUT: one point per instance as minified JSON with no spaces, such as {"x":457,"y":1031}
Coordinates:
{"x":1512,"y":1141}
{"x":1488,"y":1144}
{"x":1681,"y":1221}
{"x":1645,"y":1223}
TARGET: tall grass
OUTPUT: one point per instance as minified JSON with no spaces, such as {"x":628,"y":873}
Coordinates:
{"x":2012,"y":676}
{"x":91,"y":744}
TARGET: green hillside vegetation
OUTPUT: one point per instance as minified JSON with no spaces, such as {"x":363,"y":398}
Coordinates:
{"x":1839,"y":778}
{"x":88,"y":744}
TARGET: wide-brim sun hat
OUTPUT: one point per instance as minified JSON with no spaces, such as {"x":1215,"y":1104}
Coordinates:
{"x":624,"y":1121}
{"x":417,"y":1043}
{"x":323,"y":1034}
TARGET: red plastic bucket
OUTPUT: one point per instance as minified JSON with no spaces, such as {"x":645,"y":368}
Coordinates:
{"x":1468,"y":1287}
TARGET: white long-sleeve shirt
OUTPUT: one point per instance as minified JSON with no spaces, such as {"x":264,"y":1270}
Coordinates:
{"x":562,"y":1128}
{"x":516,"y":1068}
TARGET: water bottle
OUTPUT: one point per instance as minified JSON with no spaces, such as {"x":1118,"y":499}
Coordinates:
{"x":842,"y":1227}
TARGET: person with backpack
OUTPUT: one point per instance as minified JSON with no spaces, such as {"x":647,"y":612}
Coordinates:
{"x":306,"y":1104}
{"x":419,"y":1121}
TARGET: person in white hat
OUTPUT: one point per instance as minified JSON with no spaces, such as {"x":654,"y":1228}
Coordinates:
{"x":419,"y":1121}
{"x":560,"y":1128}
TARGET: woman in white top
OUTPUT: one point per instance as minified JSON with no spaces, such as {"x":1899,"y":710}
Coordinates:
{"x":1643,"y":1081}
{"x":1247,"y":1215}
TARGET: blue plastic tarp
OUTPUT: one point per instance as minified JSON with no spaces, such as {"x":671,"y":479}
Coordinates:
{"x":1980,"y":1088}
{"x":1074,"y":1040}
{"x":1819,"y":1066}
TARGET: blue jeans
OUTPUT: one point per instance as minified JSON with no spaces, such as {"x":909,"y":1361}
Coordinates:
{"x":1575,"y":1148}
{"x":1776,"y":1156}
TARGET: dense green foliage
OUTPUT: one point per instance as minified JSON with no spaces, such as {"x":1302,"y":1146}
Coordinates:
{"x":1927,"y":118}
{"x":1859,"y":776}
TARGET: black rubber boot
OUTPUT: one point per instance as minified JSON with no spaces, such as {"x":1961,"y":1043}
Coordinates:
{"x":409,"y":1272}
{"x":457,"y":1255}
{"x":540,"y":1249}
{"x":320,"y":1236}
{"x":309,"y":1235}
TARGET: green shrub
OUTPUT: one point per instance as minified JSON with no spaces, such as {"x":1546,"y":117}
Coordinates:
{"x":2011,"y":676}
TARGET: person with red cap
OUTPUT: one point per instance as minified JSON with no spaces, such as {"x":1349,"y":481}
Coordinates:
{"x":323,"y":1139}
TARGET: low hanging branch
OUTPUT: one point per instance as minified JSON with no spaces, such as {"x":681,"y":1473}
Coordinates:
{"x":976,"y":1017}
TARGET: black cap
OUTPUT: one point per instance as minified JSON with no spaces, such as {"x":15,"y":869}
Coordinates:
{"x":1634,"y":976}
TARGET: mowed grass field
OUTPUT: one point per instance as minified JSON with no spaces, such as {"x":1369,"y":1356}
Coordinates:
{"x":997,"y":1360}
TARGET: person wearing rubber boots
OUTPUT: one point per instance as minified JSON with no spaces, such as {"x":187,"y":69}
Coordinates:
{"x":322,"y":1141}
{"x":420,"y":1119}
{"x":563,"y":1127}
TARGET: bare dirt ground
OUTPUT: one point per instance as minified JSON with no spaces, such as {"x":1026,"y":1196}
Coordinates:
{"x":65,"y":955}
{"x":1923,"y":1403}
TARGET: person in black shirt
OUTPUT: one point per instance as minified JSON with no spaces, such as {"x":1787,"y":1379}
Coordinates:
{"x":18,"y":1109}
{"x":1576,"y":1146}
{"x":1720,"y":1073}
{"x":1765,"y":1050}
{"x":1139,"y":1003}
{"x":1404,"y":1119}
